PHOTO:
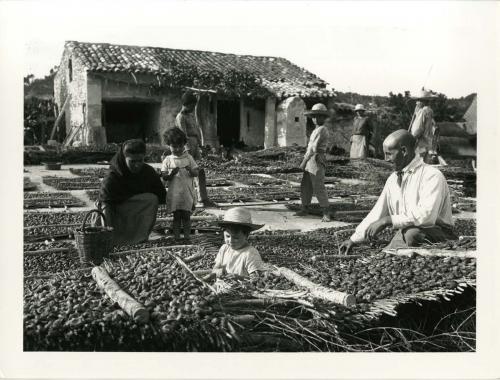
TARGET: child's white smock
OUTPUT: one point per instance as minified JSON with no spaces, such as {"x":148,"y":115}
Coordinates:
{"x":181,"y":194}
{"x":242,"y":261}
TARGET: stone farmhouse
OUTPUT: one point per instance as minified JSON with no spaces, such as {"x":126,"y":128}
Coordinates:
{"x":105,"y":92}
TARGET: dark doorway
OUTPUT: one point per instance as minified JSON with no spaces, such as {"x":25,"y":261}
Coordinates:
{"x":228,"y":122}
{"x":126,"y":120}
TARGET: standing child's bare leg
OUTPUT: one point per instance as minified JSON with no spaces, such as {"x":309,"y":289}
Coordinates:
{"x":176,"y":224}
{"x":186,"y":224}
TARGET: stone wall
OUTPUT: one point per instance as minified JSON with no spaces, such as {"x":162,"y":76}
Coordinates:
{"x":170,"y":106}
{"x":291,"y":122}
{"x":270,"y":138}
{"x":76,"y":110}
{"x":206,"y":115}
{"x":252,"y":122}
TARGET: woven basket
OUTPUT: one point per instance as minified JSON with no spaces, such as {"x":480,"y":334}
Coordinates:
{"x":93,"y":243}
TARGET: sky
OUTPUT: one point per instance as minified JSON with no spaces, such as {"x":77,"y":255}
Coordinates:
{"x":366,"y":47}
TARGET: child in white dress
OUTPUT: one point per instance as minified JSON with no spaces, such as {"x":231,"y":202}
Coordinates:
{"x":179,"y":169}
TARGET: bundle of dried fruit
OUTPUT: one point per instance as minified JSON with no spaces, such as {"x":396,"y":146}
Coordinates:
{"x":80,"y":183}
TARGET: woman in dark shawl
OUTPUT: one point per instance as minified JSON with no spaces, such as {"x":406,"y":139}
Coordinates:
{"x":130,"y":194}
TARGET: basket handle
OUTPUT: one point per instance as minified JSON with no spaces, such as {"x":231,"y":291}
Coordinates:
{"x":87,"y":216}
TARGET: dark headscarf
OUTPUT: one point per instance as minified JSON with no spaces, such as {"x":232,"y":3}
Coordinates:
{"x":188,"y":98}
{"x":120,"y":183}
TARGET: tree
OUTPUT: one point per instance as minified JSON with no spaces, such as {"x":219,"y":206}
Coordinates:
{"x":28,"y":79}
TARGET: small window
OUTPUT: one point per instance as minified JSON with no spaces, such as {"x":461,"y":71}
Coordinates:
{"x":70,"y":70}
{"x":248,"y":120}
{"x":296,"y":119}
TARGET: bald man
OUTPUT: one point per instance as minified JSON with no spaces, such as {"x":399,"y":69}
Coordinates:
{"x":415,"y":200}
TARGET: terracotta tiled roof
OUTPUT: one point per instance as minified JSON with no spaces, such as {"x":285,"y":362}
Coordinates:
{"x":278,"y":75}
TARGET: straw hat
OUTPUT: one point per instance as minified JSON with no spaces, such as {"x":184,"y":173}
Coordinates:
{"x":316,"y":110}
{"x":424,"y":94}
{"x":239,"y":216}
{"x":359,"y":107}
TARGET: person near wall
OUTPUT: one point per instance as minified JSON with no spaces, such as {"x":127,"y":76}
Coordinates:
{"x":361,"y":133}
{"x":415,"y":200}
{"x":422,"y":126}
{"x":314,"y":164}
{"x":186,"y":122}
{"x":130,"y":194}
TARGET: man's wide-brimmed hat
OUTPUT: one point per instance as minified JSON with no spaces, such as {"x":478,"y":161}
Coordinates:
{"x":316,"y":110}
{"x":425,"y":94}
{"x":359,"y":107}
{"x":239,"y":216}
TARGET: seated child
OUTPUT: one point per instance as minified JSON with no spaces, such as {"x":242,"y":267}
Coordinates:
{"x":237,"y":256}
{"x":179,"y":170}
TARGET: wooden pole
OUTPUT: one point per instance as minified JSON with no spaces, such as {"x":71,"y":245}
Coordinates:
{"x":51,"y":226}
{"x":59,"y":117}
{"x":409,"y":252}
{"x":334,"y":257}
{"x":151,"y":249}
{"x":195,"y":218}
{"x":318,"y":291}
{"x":133,"y":308}
{"x":45,"y":251}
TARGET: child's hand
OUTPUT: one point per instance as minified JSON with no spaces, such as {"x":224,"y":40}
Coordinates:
{"x":174,"y":171}
{"x":192,"y":172}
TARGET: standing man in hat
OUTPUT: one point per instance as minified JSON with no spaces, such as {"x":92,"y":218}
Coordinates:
{"x":415,"y":200}
{"x":314,"y":164}
{"x":186,"y":121}
{"x":361,"y":133}
{"x":422,"y":126}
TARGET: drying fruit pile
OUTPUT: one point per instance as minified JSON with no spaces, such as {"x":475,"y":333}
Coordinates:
{"x":43,"y":233}
{"x":347,"y":190}
{"x":40,"y":195}
{"x":292,"y":249}
{"x":465,"y":227}
{"x":226,"y":195}
{"x":462,"y":204}
{"x":253,"y":194}
{"x":47,"y":245}
{"x":92,"y":194}
{"x":462,"y":181}
{"x":72,"y":314}
{"x":49,"y":202}
{"x":256,"y":180}
{"x":219,"y":182}
{"x":163,"y":242}
{"x":385,"y":276}
{"x":90,"y":172}
{"x":52,"y":218}
{"x":50,"y":263}
{"x":79,"y":183}
{"x":340,"y":210}
{"x":297,"y":177}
